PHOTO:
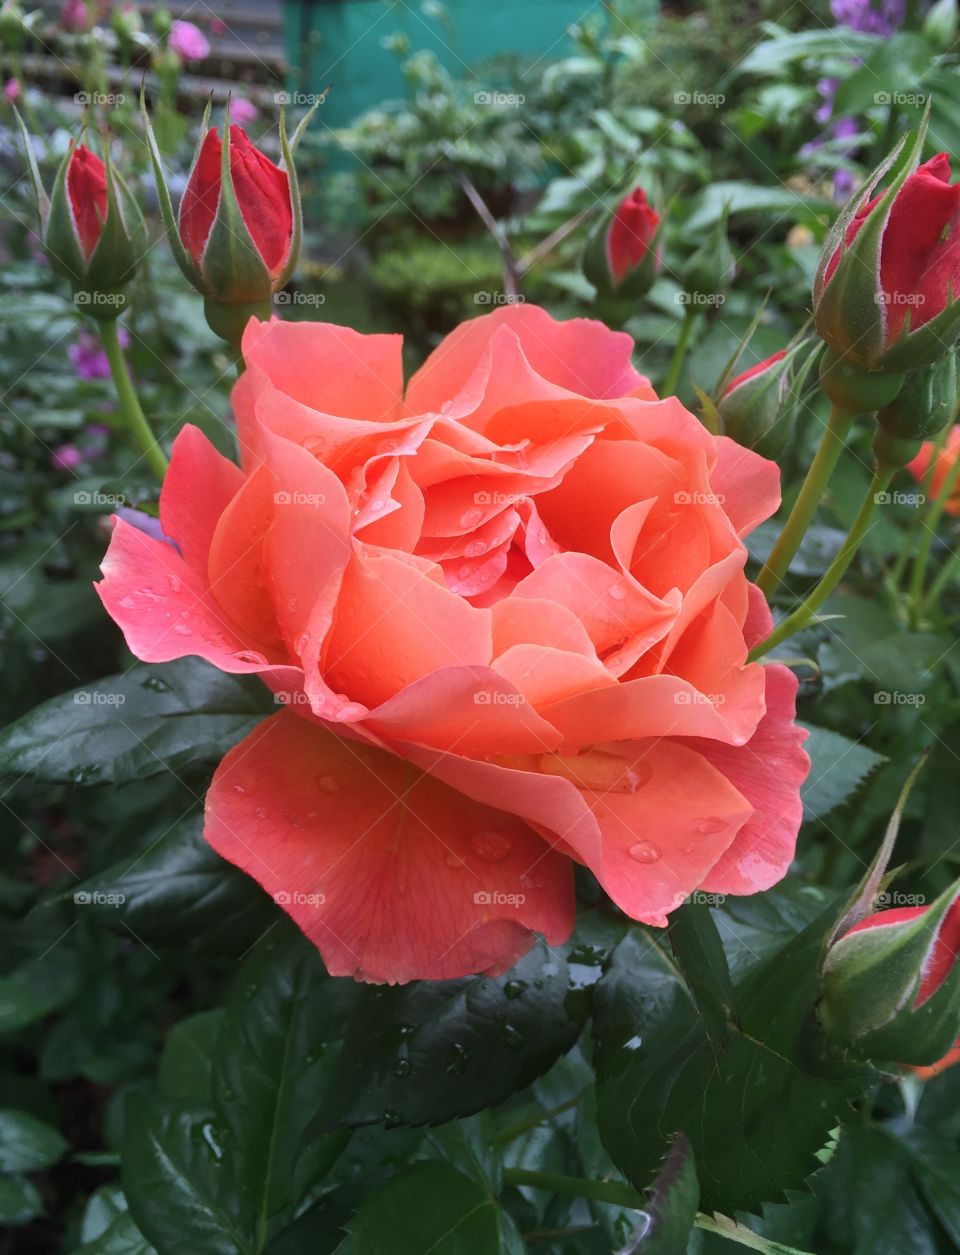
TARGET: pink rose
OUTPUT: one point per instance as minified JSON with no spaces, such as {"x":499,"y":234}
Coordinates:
{"x":506,"y":610}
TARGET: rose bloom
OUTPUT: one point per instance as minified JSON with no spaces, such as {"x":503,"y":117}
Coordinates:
{"x":188,"y":41}
{"x":506,"y":611}
{"x":945,"y":460}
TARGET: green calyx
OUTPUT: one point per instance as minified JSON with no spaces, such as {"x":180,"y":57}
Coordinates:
{"x":229,"y":319}
{"x":710,"y":271}
{"x":761,"y":412}
{"x":855,"y":389}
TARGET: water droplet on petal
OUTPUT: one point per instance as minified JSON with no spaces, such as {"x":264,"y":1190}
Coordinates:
{"x":512,"y":1037}
{"x":475,"y":548}
{"x":301,"y":643}
{"x":128,"y":603}
{"x":175,"y":582}
{"x":617,"y":591}
{"x":238,"y":788}
{"x":490,"y":846}
{"x":377,"y":506}
{"x":643,"y":852}
{"x":182,"y":629}
{"x":471,"y":517}
{"x":327,"y":784}
{"x":714,"y":824}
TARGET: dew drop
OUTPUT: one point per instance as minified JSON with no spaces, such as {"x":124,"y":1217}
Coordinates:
{"x":327,"y":784}
{"x":714,"y":824}
{"x":151,"y":594}
{"x":392,"y":1119}
{"x":83,"y":775}
{"x":471,"y":517}
{"x":490,"y":846}
{"x":643,"y":852}
{"x":402,"y":1067}
{"x":175,"y":582}
{"x":617,"y":591}
{"x":260,"y":812}
{"x":209,"y":1135}
{"x":459,"y":1058}
{"x":376,"y":506}
{"x":128,"y":603}
{"x":475,"y":548}
{"x":238,"y":788}
{"x":633,"y":1044}
{"x":249,"y":655}
{"x":182,"y":629}
{"x":300,"y":644}
{"x":514,"y":988}
{"x":513,"y":1037}
{"x":155,"y":684}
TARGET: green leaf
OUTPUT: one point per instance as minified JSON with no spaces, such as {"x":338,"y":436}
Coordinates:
{"x":38,"y":987}
{"x":427,"y":1207}
{"x":181,"y":1187}
{"x":276,"y":1055}
{"x":179,"y":892}
{"x":107,"y":1227}
{"x":20,"y":1201}
{"x":753,"y":198}
{"x":838,"y":766}
{"x":772,"y":56}
{"x":429,"y":1052}
{"x":128,"y":727}
{"x":699,"y":952}
{"x":26,"y":1143}
{"x":658,"y":1073}
{"x":186,"y":1065}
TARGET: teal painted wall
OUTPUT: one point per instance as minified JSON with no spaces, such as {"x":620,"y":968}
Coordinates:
{"x":340,"y":43}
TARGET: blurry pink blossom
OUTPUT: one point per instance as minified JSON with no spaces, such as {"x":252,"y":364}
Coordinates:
{"x":217,"y":26}
{"x":67,"y":458}
{"x":189,"y":41}
{"x":11,"y":89}
{"x":75,"y":16}
{"x":243,"y":111}
{"x":87,"y":355}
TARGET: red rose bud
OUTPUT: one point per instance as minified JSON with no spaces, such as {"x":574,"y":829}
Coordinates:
{"x":891,"y":984}
{"x":92,"y":230}
{"x":238,"y":233}
{"x":886,"y":288}
{"x":758,"y":408}
{"x":263,"y":195}
{"x":622,"y":257}
{"x":87,"y":192}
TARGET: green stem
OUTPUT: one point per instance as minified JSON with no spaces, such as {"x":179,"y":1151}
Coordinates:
{"x":931,"y":523}
{"x":906,"y":551}
{"x":821,"y":468}
{"x":130,"y":409}
{"x":806,"y":612}
{"x":616,"y":1192}
{"x":946,"y":573}
{"x":533,"y":1121}
{"x":672,"y":377}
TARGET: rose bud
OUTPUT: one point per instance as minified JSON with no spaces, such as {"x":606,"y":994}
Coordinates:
{"x":238,"y":232}
{"x":925,"y":404}
{"x":945,"y":461}
{"x":759,"y":407}
{"x":891,"y":984}
{"x":708,"y":274}
{"x":622,"y":255}
{"x":91,"y":227}
{"x":886,"y":286}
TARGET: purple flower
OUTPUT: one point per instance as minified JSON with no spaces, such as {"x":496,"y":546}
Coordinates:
{"x":88,"y":357}
{"x":66,"y":458}
{"x":75,"y":16}
{"x":11,"y":89}
{"x":243,"y":111}
{"x":188,"y":41}
{"x":870,"y":17}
